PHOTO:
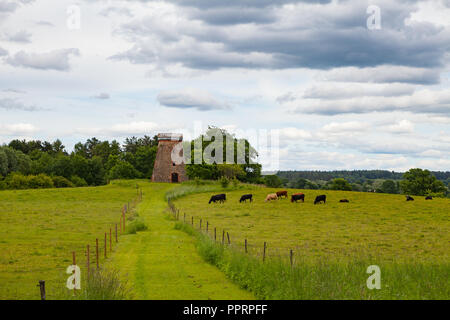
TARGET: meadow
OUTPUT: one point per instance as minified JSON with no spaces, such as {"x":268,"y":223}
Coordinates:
{"x":379,"y":225}
{"x":332,"y":244}
{"x":39,"y":229}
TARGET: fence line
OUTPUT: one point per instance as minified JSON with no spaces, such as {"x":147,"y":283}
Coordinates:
{"x":122,"y":225}
{"x":247,"y":248}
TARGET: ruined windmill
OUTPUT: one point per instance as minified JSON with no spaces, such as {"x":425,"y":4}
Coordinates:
{"x":165,"y":169}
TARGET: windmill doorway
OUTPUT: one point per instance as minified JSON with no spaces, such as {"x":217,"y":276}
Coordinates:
{"x":174,"y":177}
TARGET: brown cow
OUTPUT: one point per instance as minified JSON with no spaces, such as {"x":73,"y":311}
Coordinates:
{"x":281,"y":194}
{"x":298,"y":196}
{"x":271,"y":196}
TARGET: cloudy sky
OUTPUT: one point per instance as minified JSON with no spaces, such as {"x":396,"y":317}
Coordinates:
{"x":345,"y":89}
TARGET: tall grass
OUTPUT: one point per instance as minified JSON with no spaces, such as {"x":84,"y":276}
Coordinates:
{"x":323,"y":279}
{"x":102,"y":284}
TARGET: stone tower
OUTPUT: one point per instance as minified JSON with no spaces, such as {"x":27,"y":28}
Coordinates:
{"x":165,"y":170}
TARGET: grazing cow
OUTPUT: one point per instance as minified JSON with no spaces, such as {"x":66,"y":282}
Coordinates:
{"x":271,"y":196}
{"x":218,"y":197}
{"x":409,"y":198}
{"x":281,"y":194}
{"x":429,"y":198}
{"x":298,"y":196}
{"x":321,"y":198}
{"x":344,"y":200}
{"x":246,"y":197}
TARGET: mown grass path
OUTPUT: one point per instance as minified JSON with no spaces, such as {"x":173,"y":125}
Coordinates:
{"x":163,"y":263}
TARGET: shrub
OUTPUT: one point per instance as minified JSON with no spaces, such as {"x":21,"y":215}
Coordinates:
{"x":41,"y":181}
{"x":136,"y":226}
{"x":123,"y":170}
{"x":224,"y":182}
{"x":17,"y":181}
{"x":61,"y":182}
{"x":272,"y":181}
{"x":78,"y":182}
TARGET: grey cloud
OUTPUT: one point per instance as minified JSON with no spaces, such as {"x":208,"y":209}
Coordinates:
{"x":8,"y":6}
{"x":13,"y":104}
{"x":20,"y":36}
{"x":102,"y":96}
{"x":116,"y":10}
{"x":422,"y":101}
{"x":232,"y":15}
{"x":323,"y":37}
{"x":341,"y":90}
{"x":240,"y":3}
{"x":191,"y":99}
{"x":12,"y":90}
{"x":44,"y":23}
{"x":3,"y":52}
{"x":53,"y":60}
{"x":383,"y":74}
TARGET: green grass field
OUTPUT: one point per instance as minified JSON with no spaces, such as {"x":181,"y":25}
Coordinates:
{"x":39,"y":229}
{"x":379,"y":225}
{"x":332,"y":243}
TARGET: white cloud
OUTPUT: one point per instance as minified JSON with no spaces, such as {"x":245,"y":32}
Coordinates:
{"x":17,"y":129}
{"x":126,"y":129}
{"x":402,"y":126}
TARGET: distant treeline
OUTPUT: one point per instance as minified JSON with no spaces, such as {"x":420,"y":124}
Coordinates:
{"x":354,"y":176}
{"x":415,"y":181}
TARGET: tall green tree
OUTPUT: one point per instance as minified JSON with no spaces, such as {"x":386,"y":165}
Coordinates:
{"x":421,"y":182}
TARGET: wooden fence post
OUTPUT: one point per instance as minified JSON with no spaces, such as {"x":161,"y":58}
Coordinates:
{"x":123,"y":222}
{"x":120,"y":224}
{"x":96,"y":251}
{"x":264,"y":252}
{"x":200,"y":224}
{"x":291,"y":257}
{"x":207,"y":226}
{"x":88,"y":262}
{"x":41,"y":286}
{"x":215,"y":234}
{"x":228,"y":236}
{"x":192,"y":221}
{"x":117,"y":240}
{"x":245,"y":245}
{"x":105,"y":245}
{"x":223,"y":237}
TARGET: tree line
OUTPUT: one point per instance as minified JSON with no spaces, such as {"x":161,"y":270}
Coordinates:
{"x":416,"y":181}
{"x":43,"y":164}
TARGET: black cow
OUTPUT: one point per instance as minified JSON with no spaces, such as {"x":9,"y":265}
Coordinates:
{"x":218,"y":197}
{"x":320,"y":198}
{"x":429,"y":198}
{"x":246,"y":197}
{"x":344,"y":200}
{"x":409,"y":198}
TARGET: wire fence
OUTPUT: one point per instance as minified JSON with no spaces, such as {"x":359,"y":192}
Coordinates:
{"x":97,"y":251}
{"x":224,"y":237}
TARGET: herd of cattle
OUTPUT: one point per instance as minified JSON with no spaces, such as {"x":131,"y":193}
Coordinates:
{"x":284,"y":194}
{"x":273,"y":196}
